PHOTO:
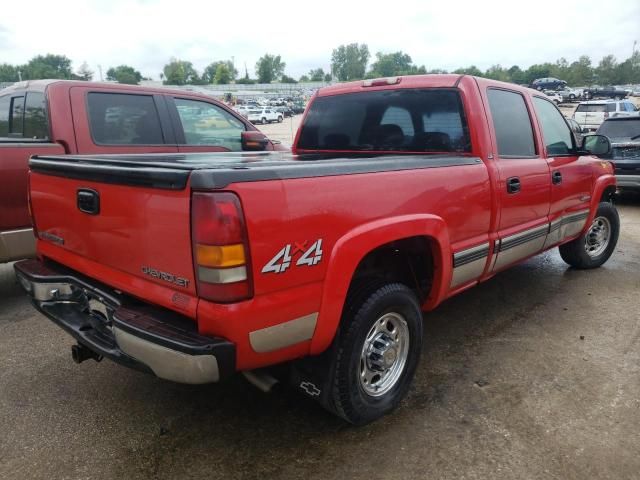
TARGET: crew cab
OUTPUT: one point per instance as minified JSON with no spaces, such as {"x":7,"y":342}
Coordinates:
{"x":400,"y":193}
{"x":64,"y":117}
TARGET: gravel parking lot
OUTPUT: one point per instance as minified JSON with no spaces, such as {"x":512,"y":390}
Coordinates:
{"x":533,"y":374}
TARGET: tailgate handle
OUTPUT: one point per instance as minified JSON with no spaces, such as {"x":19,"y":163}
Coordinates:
{"x":88,"y":201}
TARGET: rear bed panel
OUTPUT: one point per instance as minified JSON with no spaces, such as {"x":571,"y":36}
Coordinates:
{"x":139,"y":231}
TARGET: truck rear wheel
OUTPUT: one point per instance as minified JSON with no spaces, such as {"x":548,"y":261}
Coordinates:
{"x":594,"y":248}
{"x":376,"y":352}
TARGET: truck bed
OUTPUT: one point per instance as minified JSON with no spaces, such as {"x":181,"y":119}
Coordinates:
{"x":218,"y":170}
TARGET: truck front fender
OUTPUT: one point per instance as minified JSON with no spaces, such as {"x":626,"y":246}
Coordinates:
{"x":351,"y":248}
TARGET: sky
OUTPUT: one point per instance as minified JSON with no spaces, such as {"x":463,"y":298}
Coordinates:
{"x":438,"y":34}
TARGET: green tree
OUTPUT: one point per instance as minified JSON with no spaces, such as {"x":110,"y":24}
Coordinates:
{"x":516,"y":75}
{"x":209,"y":73}
{"x":538,"y":71}
{"x":391,"y":64}
{"x":84,"y":72}
{"x":124,"y":74}
{"x":328,"y":77}
{"x":8,"y":73}
{"x":607,"y":71}
{"x":180,"y":72}
{"x":349,"y":62}
{"x":580,"y":72}
{"x":269,"y":68}
{"x":223,"y":74}
{"x":246,"y":81}
{"x":304,"y":78}
{"x":472,"y":70}
{"x":47,"y":66}
{"x":287,"y":79}
{"x":316,"y":75}
{"x":496,"y":72}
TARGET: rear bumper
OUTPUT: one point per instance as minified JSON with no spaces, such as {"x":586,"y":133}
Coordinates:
{"x":628,"y":181}
{"x":136,"y":335}
{"x":17,"y":244}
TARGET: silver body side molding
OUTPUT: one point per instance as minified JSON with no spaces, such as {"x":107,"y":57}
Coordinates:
{"x":17,"y":244}
{"x":284,"y":334}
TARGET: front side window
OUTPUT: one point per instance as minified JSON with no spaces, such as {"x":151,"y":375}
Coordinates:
{"x":555,"y":132}
{"x":206,"y":124}
{"x":511,"y":123}
{"x":35,"y":117}
{"x":406,"y":120}
{"x":124,"y":119}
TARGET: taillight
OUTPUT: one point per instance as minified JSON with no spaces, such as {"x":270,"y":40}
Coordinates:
{"x":30,"y":206}
{"x":220,"y":247}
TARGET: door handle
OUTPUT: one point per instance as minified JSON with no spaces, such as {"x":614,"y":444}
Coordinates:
{"x":556,"y":177}
{"x":513,"y":185}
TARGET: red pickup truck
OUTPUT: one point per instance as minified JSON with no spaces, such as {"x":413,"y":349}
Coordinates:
{"x":54,"y":117}
{"x":401,"y":192}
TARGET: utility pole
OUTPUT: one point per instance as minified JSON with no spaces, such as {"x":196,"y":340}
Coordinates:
{"x":100,"y":70}
{"x":19,"y":75}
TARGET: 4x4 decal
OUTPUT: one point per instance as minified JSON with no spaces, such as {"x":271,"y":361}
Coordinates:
{"x":310,"y":256}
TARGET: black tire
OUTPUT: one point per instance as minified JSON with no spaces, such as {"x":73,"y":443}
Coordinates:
{"x":279,"y":119}
{"x":575,"y":252}
{"x":572,"y":97}
{"x":264,"y":121}
{"x":363,"y":311}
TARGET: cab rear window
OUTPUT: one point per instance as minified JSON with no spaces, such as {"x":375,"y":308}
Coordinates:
{"x":408,"y":120}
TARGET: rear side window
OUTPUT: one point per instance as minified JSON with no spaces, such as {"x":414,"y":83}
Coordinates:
{"x":124,"y":119}
{"x":557,"y":135}
{"x":36,"y":125}
{"x":407,"y":120}
{"x":207,"y":124}
{"x":611,"y":107}
{"x":511,"y":123}
{"x":16,"y":116}
{"x":5,"y":103}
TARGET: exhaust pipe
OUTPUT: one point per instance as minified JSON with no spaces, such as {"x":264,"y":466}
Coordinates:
{"x":80,"y":353}
{"x":261,"y":380}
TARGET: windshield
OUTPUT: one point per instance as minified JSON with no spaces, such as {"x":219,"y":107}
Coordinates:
{"x":425,"y":120}
{"x":627,"y":128}
{"x":591,"y":108}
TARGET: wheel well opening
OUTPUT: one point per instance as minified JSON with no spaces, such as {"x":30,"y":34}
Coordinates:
{"x":408,"y":261}
{"x":608,"y":194}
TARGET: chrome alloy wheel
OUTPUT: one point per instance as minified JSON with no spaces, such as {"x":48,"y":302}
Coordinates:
{"x":384,"y":354}
{"x":597,"y":239}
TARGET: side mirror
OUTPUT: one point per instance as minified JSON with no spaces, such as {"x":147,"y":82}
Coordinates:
{"x":254,"y":141}
{"x":595,"y":145}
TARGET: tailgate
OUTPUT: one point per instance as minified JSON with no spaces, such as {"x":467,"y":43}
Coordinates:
{"x":132,"y":219}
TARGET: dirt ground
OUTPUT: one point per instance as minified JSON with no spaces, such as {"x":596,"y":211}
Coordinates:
{"x":531,"y":375}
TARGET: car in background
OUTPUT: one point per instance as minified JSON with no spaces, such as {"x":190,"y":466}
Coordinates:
{"x":591,"y":114}
{"x":548,"y":83}
{"x":264,"y":115}
{"x":570,"y":94}
{"x":298,"y":108}
{"x":624,"y":134}
{"x":576,"y":130}
{"x":605,"y":92}
{"x":285,"y":111}
{"x":556,"y":98}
